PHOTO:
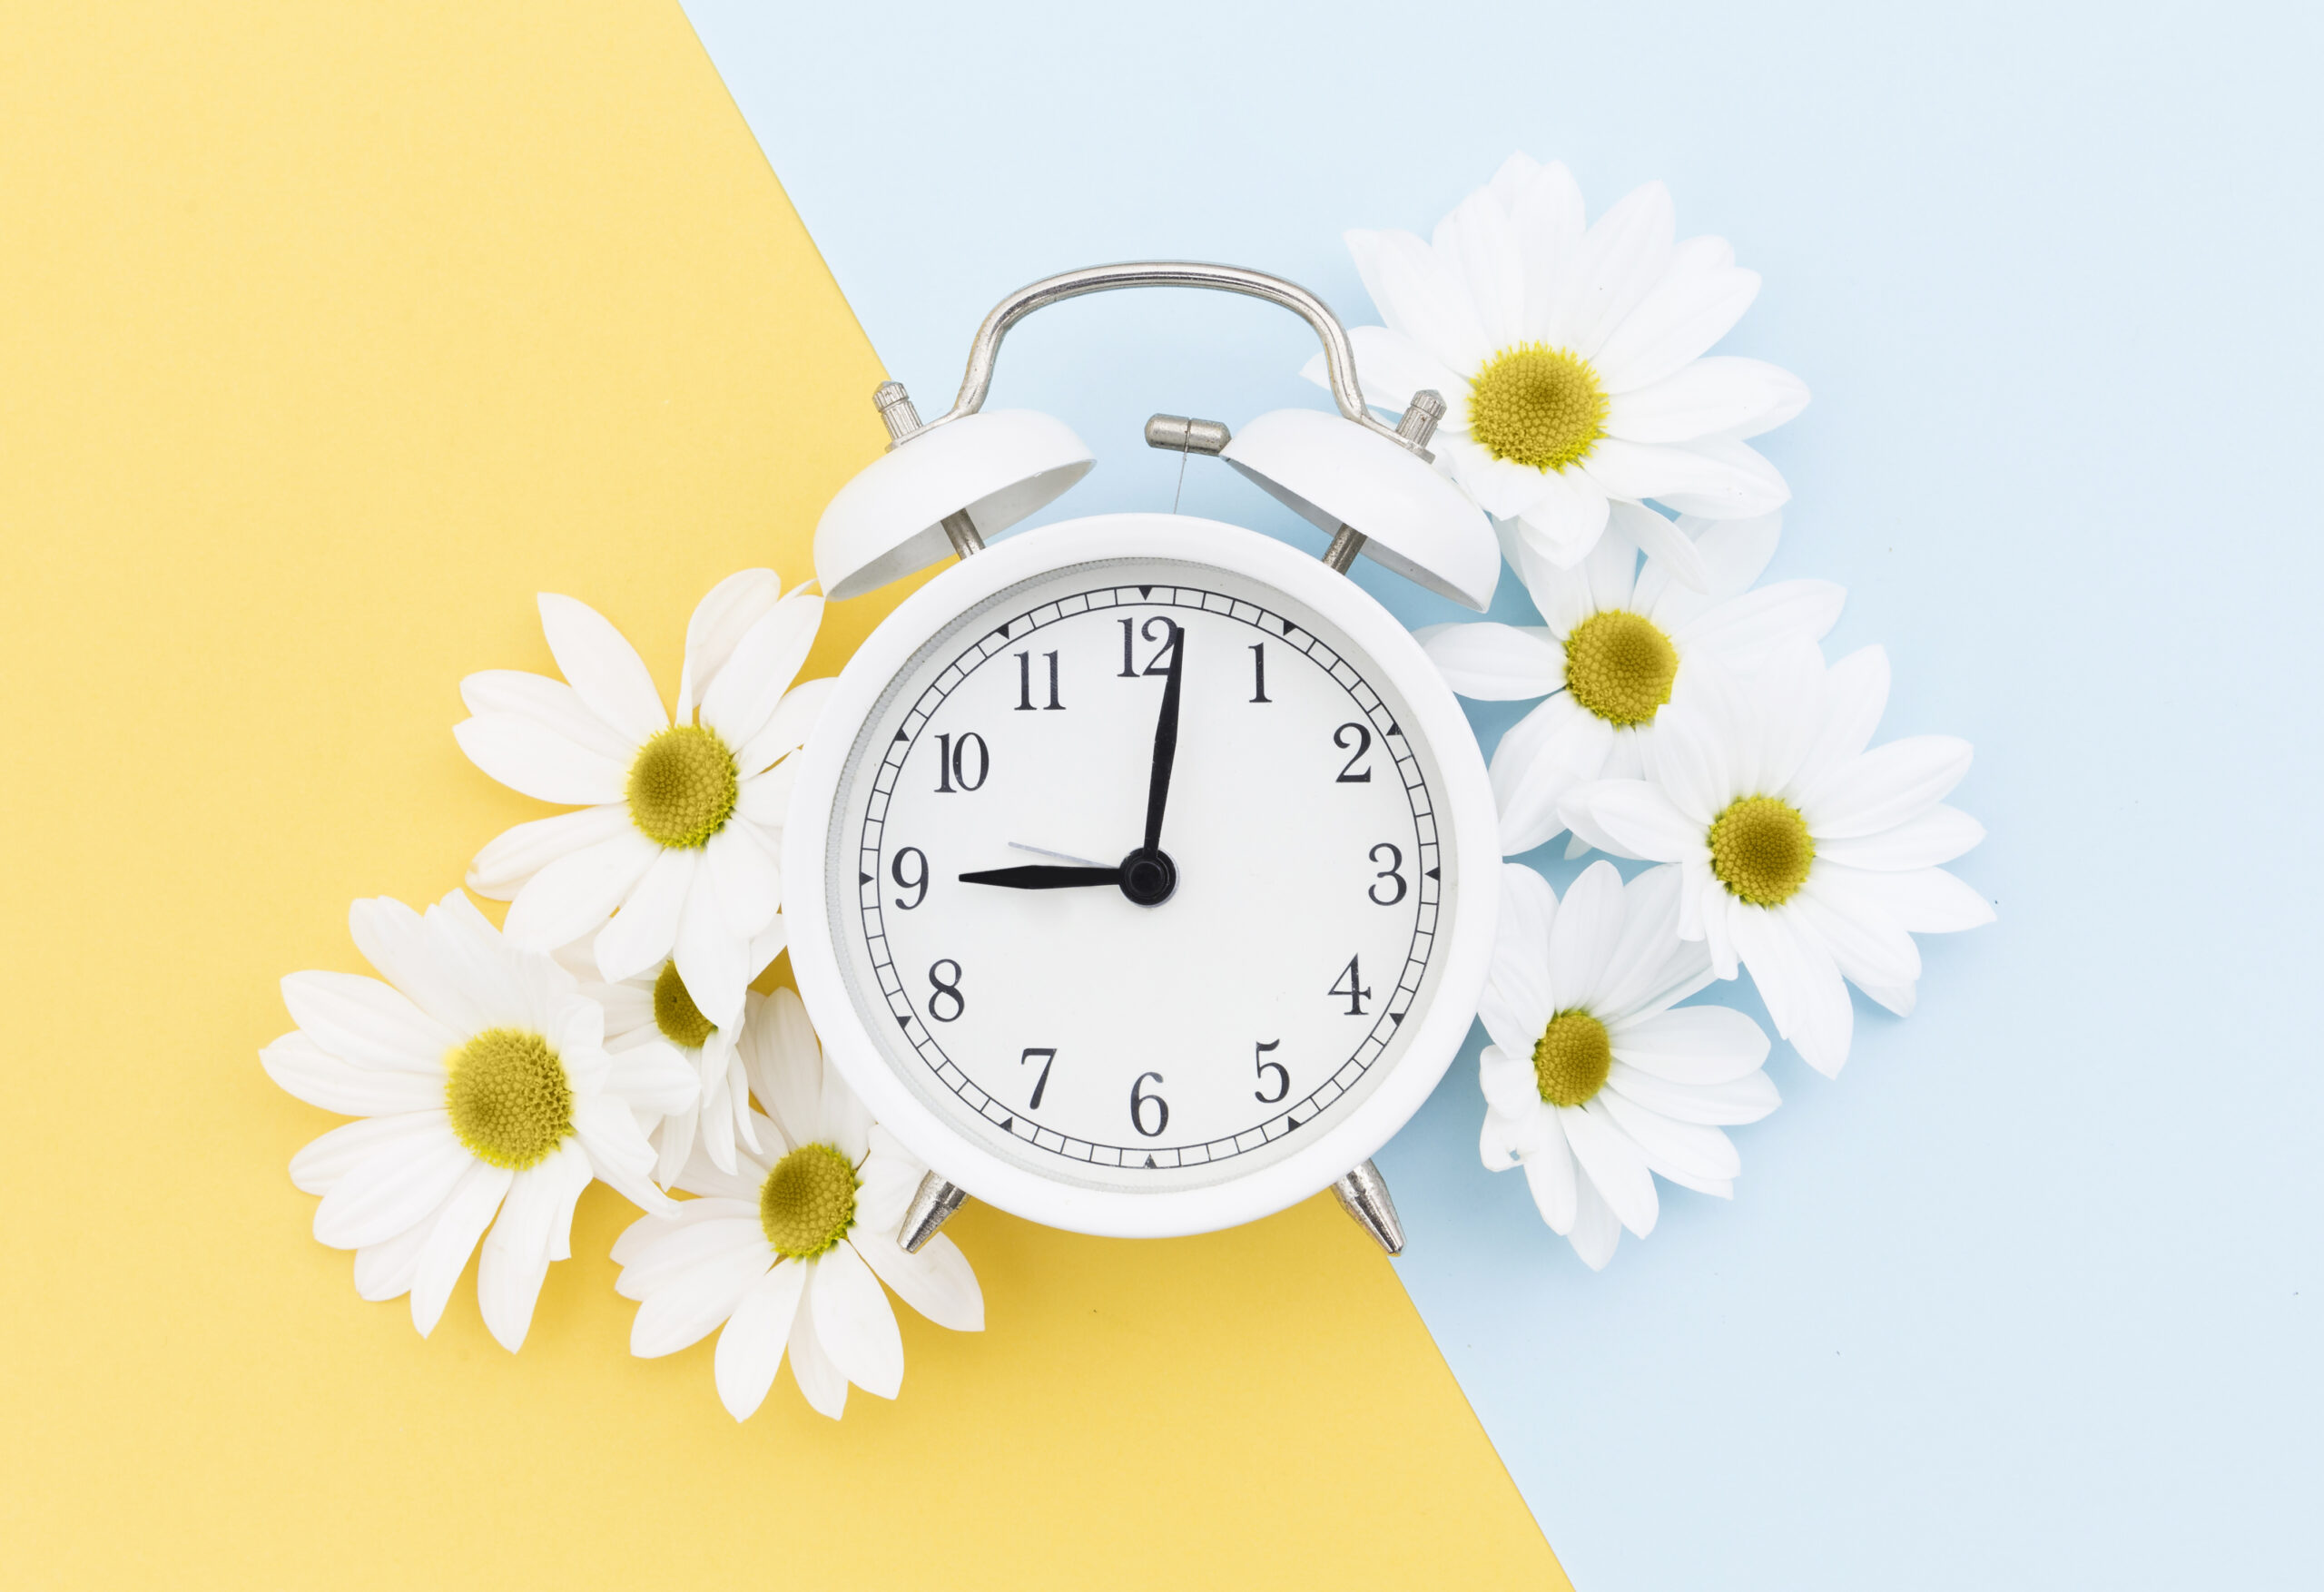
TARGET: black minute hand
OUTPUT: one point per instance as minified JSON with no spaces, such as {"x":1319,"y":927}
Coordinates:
{"x":1043,"y":876}
{"x":1166,"y":741}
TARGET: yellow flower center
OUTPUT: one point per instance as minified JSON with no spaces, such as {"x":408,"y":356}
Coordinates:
{"x":1619,"y":666}
{"x":809,"y":1201}
{"x":682,"y":786}
{"x":508,"y":1098}
{"x":1572,"y":1058}
{"x":1538,"y":405}
{"x":676,"y":1014}
{"x":1761,"y":850}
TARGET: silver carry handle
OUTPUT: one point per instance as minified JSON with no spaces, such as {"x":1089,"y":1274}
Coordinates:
{"x":1339,"y":354}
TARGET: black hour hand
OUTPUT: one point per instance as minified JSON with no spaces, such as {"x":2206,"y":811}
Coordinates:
{"x":1043,"y":876}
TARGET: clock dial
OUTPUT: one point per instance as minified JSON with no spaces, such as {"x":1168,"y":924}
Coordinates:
{"x":1135,"y":874}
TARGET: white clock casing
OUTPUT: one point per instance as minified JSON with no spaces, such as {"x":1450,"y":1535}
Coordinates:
{"x":964,"y":1114}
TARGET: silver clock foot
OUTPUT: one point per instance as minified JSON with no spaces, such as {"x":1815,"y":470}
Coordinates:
{"x":1363,"y":1195}
{"x":933,"y":1202}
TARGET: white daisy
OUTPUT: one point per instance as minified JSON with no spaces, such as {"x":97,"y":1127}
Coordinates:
{"x":1592,"y":1081}
{"x":1614,"y":647}
{"x":481,"y":1075}
{"x":1572,"y":362}
{"x":657,"y":1009}
{"x":1806,"y":858}
{"x":790,"y":1250}
{"x":682,"y":823}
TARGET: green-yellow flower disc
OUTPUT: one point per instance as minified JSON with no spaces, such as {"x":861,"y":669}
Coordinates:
{"x":1572,"y":1058}
{"x":508,"y":1098}
{"x":1761,"y":850}
{"x":809,"y":1201}
{"x":682,"y":786}
{"x":1536,"y":405}
{"x":676,"y":1014}
{"x":1621,"y":666}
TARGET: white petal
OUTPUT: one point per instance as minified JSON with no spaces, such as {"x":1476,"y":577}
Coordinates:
{"x":846,"y":1121}
{"x":646,"y":927}
{"x":1741,"y":631}
{"x":367,"y":1022}
{"x":466,"y":1212}
{"x":390,"y":1190}
{"x":1479,"y":246}
{"x":618,"y":1149}
{"x":655,"y":1251}
{"x":1744,"y":1099}
{"x":1670,"y":470}
{"x":394,"y":940}
{"x":1503,"y":1141}
{"x":1724,"y":395}
{"x":1502,"y":487}
{"x":1391,"y":369}
{"x":1695,"y":1152}
{"x":1887,"y":786}
{"x":748,"y":885}
{"x":1735,"y":552}
{"x":723,"y":617}
{"x":853,"y":1323}
{"x":1925,"y":900}
{"x":653,"y":1079}
{"x":750,"y":1348}
{"x":937,"y":1282}
{"x":890,"y":1178}
{"x":1508,"y":1082}
{"x":785,"y":1064}
{"x":1939,"y":835}
{"x":540,"y":762}
{"x":305,"y":1069}
{"x":787,"y":728}
{"x":1641,"y":819}
{"x":1687,"y":311}
{"x":517,"y":854}
{"x":1615,"y":1166}
{"x":1854,"y":694}
{"x":1551,"y":750}
{"x":1856,"y":926}
{"x":1565,"y":517}
{"x":1651,"y":966}
{"x":606,"y":671}
{"x":1663,"y":542}
{"x":1489,"y":662}
{"x":1614,"y":266}
{"x":1421,"y":297}
{"x":1727,"y":479}
{"x":712,"y":958}
{"x":1517,"y":985}
{"x":572,"y":896}
{"x":1801,"y":986}
{"x":317,"y":1168}
{"x":1588,"y":923}
{"x":820,"y":1383}
{"x":1544,"y":208}
{"x":1596,"y":1229}
{"x":739,"y":700}
{"x":553,"y":705}
{"x":765,"y":798}
{"x":385,"y":1270}
{"x":1693,"y":1044}
{"x":1550,"y":1178}
{"x":685,"y":1307}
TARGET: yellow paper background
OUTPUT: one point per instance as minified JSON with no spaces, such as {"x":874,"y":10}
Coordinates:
{"x":328,"y":336}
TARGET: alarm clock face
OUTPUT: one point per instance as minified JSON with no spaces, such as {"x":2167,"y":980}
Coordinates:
{"x":1135,"y":875}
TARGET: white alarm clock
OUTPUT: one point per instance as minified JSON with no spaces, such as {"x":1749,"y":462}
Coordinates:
{"x":1141,"y":871}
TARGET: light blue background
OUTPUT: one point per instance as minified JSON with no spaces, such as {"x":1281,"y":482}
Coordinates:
{"x":2028,"y":1298}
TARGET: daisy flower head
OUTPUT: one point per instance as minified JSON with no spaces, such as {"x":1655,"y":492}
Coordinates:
{"x":786,"y":1253}
{"x":681,"y":820}
{"x":488,"y":1101}
{"x":1615,"y":644}
{"x":1805,"y":857}
{"x":1593,"y":1082}
{"x":657,"y":1009}
{"x":1571,"y":358}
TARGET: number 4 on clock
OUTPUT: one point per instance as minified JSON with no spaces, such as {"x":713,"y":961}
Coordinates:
{"x":1350,"y":984}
